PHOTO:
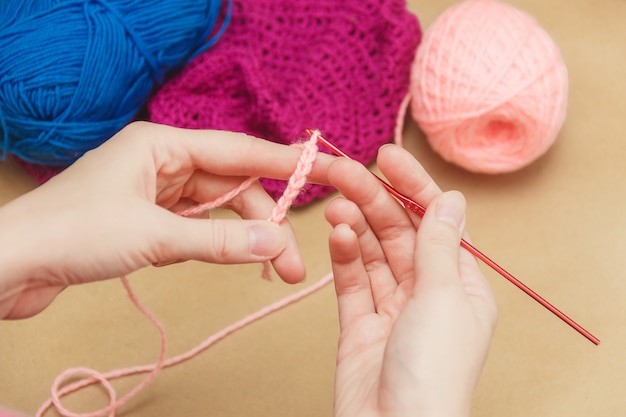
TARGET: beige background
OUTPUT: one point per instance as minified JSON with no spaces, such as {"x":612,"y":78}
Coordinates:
{"x":559,"y":225}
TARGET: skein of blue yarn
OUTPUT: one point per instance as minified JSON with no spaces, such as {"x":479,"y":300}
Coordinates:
{"x":74,"y":72}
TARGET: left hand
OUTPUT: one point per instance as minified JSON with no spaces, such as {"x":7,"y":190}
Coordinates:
{"x":113,"y":212}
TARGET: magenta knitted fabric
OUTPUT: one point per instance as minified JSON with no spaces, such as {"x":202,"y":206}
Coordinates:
{"x":340,"y":66}
{"x":41,"y":173}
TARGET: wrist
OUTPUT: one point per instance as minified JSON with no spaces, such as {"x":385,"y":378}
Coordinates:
{"x":14,"y":260}
{"x":18,"y":257}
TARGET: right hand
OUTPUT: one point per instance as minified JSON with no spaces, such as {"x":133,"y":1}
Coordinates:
{"x":416,"y":314}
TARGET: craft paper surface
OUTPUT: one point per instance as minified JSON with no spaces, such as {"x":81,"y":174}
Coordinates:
{"x":558,"y":225}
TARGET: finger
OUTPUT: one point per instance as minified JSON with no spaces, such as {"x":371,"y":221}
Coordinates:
{"x":438,"y":238}
{"x":254,"y":203}
{"x":477,"y":287}
{"x":406,"y":174}
{"x":231,"y":153}
{"x":352,"y":285}
{"x":381,"y":280}
{"x":343,"y":211}
{"x":387,"y":218}
{"x":223,"y":241}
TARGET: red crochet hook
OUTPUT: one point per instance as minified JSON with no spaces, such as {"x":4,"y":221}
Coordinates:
{"x":420,"y":210}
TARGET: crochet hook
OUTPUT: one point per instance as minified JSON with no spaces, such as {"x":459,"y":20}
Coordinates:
{"x":420,"y":210}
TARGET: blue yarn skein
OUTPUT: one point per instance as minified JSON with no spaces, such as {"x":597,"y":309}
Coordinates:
{"x":74,"y":72}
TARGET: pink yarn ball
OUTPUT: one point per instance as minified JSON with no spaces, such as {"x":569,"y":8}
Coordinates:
{"x":488,"y":87}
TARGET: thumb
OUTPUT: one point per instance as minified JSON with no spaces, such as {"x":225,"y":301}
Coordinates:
{"x":224,"y":241}
{"x":438,"y":241}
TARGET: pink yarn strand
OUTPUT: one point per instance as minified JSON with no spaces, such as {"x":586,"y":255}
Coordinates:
{"x":404,"y":105}
{"x":57,"y":392}
{"x":218,"y":202}
{"x":294,"y":187}
{"x":105,"y":378}
{"x":295,"y":184}
{"x":297,"y":180}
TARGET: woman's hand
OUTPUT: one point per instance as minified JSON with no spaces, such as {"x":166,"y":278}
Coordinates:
{"x":416,"y":314}
{"x":113,"y":212}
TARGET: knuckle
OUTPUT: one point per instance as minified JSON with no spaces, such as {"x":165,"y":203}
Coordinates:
{"x":219,"y":242}
{"x":445,"y":239}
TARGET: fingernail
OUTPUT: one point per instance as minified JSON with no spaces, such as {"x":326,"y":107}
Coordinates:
{"x":450,"y":208}
{"x":267,"y":240}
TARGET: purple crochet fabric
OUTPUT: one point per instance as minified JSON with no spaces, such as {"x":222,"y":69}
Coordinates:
{"x":341,"y":66}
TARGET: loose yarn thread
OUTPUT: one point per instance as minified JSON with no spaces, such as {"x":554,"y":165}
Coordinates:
{"x":488,"y":87}
{"x":74,"y":72}
{"x":295,"y":184}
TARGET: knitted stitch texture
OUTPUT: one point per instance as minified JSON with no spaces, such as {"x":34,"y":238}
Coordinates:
{"x":340,"y":66}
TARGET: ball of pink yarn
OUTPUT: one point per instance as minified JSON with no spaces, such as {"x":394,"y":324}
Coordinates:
{"x":488,"y":87}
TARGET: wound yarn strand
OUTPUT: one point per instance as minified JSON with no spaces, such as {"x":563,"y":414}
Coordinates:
{"x":297,"y":180}
{"x":102,"y":61}
{"x":488,"y":88}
